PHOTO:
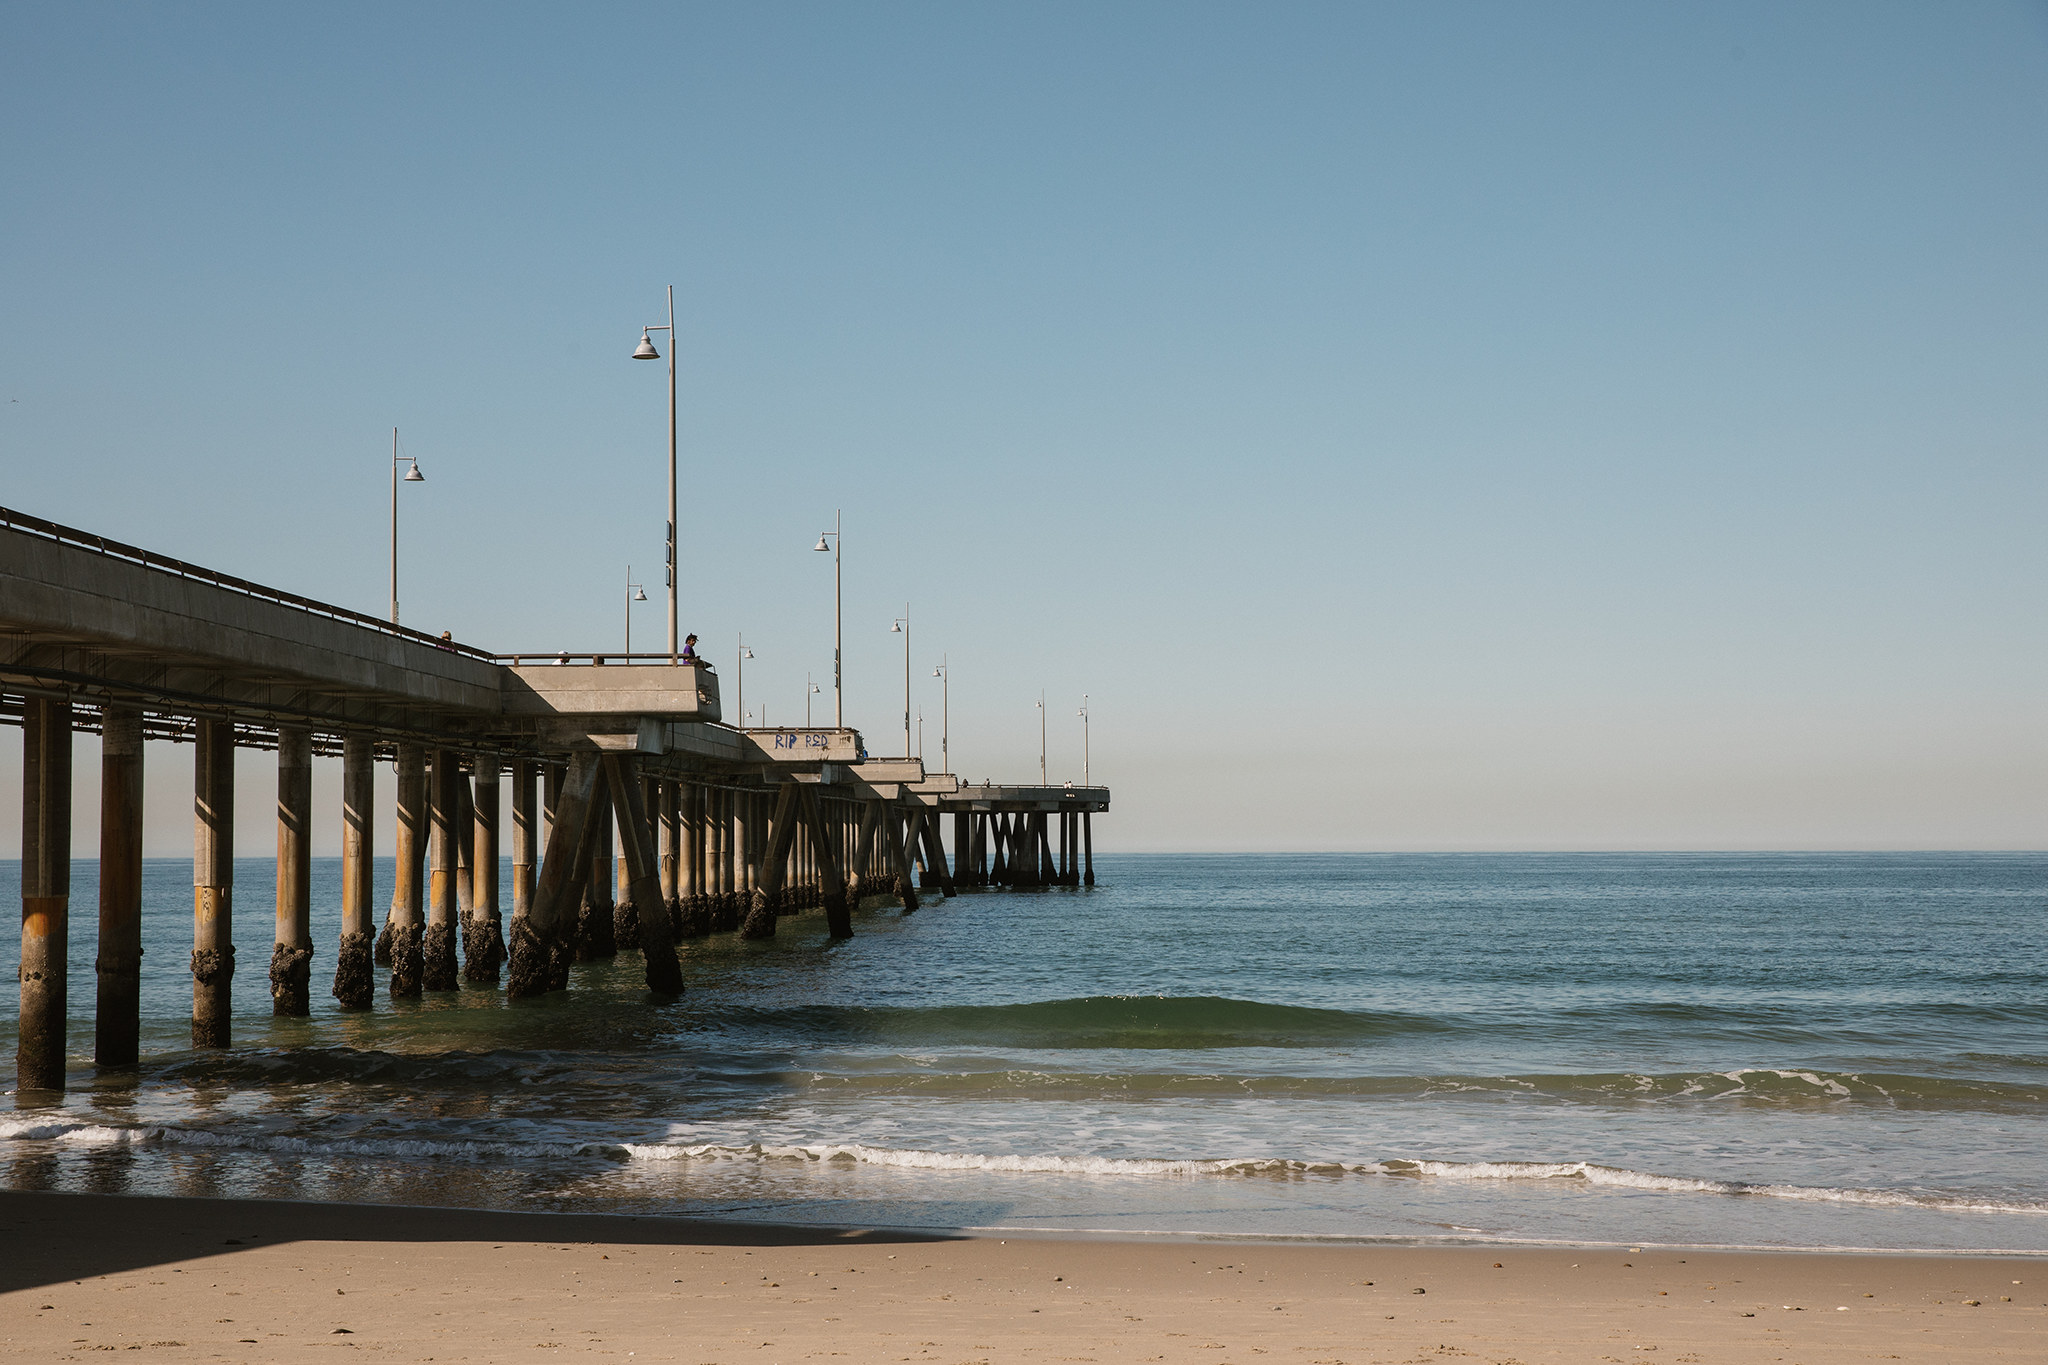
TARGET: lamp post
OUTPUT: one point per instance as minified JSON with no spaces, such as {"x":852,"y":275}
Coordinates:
{"x":634,"y":593}
{"x":945,"y":672}
{"x":920,"y":736}
{"x":1084,"y":741}
{"x":646,"y":351}
{"x":745,"y":654}
{"x":810,"y":690}
{"x":1041,"y":739}
{"x":412,"y":475}
{"x":902,"y":627}
{"x":838,"y":695}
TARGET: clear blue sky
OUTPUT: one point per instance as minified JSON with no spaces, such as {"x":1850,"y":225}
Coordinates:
{"x":1425,"y":426}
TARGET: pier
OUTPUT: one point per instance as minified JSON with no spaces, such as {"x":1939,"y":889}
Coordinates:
{"x":639,"y":819}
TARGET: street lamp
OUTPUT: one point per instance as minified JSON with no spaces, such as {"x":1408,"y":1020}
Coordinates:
{"x":902,"y":627}
{"x":745,"y":654}
{"x":634,"y":593}
{"x":645,"y":351}
{"x":944,"y":671}
{"x":838,"y":694}
{"x":412,"y":475}
{"x":810,"y":690}
{"x":1041,"y":738}
{"x":1084,"y":741}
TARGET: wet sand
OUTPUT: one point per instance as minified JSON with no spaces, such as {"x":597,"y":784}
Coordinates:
{"x":202,"y":1279}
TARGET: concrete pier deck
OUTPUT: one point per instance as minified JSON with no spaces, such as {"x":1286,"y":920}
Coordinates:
{"x":716,"y":829}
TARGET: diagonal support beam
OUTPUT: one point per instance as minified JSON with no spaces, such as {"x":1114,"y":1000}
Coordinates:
{"x":838,"y":920}
{"x":643,"y":872}
{"x":562,"y":875}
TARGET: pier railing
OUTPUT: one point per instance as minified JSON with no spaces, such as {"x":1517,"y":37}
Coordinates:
{"x":149,"y":559}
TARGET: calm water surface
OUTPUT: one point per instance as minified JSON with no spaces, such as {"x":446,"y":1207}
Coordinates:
{"x":1838,"y":1050}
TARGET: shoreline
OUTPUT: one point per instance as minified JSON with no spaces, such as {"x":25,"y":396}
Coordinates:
{"x":198,"y":1278}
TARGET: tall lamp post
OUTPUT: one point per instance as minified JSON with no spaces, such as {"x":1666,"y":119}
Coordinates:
{"x":945,"y":672}
{"x":745,"y":654}
{"x":902,"y":627}
{"x":810,"y":690}
{"x":1041,"y":739}
{"x":838,"y":695}
{"x":646,"y":351}
{"x":412,"y":475}
{"x":1084,"y":741}
{"x":634,"y":593}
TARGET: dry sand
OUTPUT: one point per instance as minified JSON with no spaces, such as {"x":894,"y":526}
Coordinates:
{"x":195,"y":1279}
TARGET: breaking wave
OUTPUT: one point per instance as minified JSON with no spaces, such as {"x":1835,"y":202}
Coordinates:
{"x":1567,"y":1174}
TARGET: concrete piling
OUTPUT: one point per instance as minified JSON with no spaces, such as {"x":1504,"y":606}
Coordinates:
{"x":45,"y":892}
{"x":668,"y":814}
{"x":935,"y":854}
{"x":213,"y":882}
{"x":625,"y":909}
{"x":524,"y":836}
{"x":594,"y":938}
{"x":483,"y":932}
{"x":465,"y":844}
{"x":291,"y":951}
{"x":117,"y":1020}
{"x":547,"y":921}
{"x":760,"y":921}
{"x":643,"y":870}
{"x":717,"y":836}
{"x":1088,"y":847}
{"x":903,"y":828}
{"x":407,"y":918}
{"x":437,"y":947}
{"x":355,"y":983}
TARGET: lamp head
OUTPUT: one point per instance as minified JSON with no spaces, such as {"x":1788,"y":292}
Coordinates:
{"x":896,"y":628}
{"x":822,"y":546}
{"x":746,"y":654}
{"x":814,"y":687}
{"x":645,"y":350}
{"x":413,"y":474}
{"x":639,"y":593}
{"x":938,"y":673}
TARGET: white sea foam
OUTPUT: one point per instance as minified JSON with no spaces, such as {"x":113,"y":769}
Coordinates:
{"x":855,"y":1154}
{"x":1590,"y":1172}
{"x":58,"y":1130}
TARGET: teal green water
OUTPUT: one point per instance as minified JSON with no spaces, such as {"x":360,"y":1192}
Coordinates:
{"x":1810,"y":1050}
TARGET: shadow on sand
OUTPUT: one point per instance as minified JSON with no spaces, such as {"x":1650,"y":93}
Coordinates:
{"x":48,"y":1238}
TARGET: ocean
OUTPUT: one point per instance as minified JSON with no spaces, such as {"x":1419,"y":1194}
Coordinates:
{"x":1776,"y":1050}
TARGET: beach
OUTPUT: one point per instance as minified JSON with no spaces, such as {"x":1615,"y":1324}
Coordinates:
{"x":199,"y":1279}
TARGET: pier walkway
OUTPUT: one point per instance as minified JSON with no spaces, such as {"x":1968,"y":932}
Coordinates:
{"x":639,"y":818}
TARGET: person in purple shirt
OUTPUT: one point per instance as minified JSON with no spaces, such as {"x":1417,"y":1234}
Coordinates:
{"x":690,"y":648}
